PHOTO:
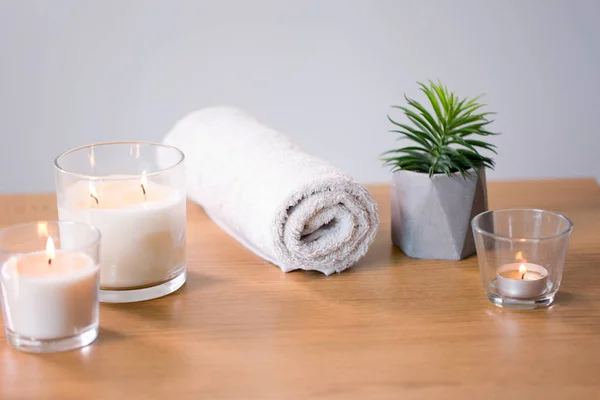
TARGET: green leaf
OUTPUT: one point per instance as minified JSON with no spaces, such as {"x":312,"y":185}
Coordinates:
{"x":416,"y":136}
{"x":478,"y":143}
{"x":418,"y":121}
{"x":452,"y":102}
{"x":473,"y":128}
{"x":426,"y":157}
{"x":408,"y":162}
{"x":425,"y":114}
{"x":475,"y":156}
{"x":434,"y":103}
{"x":460,"y":157}
{"x":455,"y":111}
{"x":423,"y":135}
{"x":467,"y":119}
{"x":473,"y":100}
{"x":466,"y":111}
{"x":459,"y":140}
{"x":484,"y":132}
{"x":438,"y":89}
{"x":405,"y":149}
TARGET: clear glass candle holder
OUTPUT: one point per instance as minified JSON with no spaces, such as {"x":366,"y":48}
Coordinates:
{"x":521,"y":255}
{"x":49,"y":275}
{"x":134,"y":193}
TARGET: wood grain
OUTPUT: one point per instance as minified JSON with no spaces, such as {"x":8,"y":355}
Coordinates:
{"x":391,"y":327}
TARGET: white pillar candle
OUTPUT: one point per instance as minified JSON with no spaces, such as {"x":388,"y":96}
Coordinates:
{"x":50,"y":301}
{"x":521,"y":280}
{"x":142,"y":225}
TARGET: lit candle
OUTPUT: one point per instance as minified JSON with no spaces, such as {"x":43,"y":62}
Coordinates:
{"x":522,"y":280}
{"x":143,"y":184}
{"x":93,"y":194}
{"x":142,"y":225}
{"x":50,"y":294}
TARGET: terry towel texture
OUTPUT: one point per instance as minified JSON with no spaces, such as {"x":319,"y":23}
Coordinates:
{"x":288,"y":207}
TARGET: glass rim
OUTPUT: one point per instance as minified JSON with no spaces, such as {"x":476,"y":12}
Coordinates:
{"x":127,"y":142}
{"x":563,"y":217}
{"x":36,"y":224}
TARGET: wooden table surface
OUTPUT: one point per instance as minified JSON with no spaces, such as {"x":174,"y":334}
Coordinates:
{"x":391,"y":327}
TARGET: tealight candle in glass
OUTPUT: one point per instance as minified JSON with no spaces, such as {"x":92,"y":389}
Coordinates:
{"x":521,"y":255}
{"x":138,"y":206}
{"x":49,"y":276}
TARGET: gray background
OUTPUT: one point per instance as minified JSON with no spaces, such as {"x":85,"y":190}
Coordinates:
{"x":323,"y":71}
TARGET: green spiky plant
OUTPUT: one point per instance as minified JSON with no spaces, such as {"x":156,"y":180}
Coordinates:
{"x":443,"y":139}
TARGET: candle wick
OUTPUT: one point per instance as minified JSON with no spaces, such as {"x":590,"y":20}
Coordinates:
{"x":95,"y":198}
{"x":143,"y":189}
{"x":49,"y":261}
{"x":523,"y":276}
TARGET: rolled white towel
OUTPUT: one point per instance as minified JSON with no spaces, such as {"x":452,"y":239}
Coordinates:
{"x":288,"y":207}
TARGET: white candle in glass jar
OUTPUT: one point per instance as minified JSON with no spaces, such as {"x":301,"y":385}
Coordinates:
{"x":522,"y":280}
{"x":53,"y":300}
{"x":142,"y":225}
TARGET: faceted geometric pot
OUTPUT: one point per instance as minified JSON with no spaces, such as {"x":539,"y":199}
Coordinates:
{"x":431,"y":217}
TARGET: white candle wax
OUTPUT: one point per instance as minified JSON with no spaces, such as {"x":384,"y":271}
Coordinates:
{"x":143,"y":235}
{"x":54,"y":301}
{"x":512,"y":282}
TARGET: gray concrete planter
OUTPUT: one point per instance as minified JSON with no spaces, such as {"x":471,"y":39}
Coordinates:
{"x":431,"y":217}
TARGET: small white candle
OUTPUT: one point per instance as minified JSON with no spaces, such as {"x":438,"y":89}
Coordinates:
{"x":142,"y":225}
{"x":521,"y":280}
{"x":50,"y":295}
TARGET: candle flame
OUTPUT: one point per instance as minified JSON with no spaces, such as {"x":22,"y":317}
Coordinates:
{"x":50,"y":252}
{"x":92,"y":158}
{"x":522,"y":270}
{"x":42,"y":228}
{"x":93,"y":193}
{"x":144,"y":182}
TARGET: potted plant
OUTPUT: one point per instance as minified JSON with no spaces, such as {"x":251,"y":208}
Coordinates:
{"x":439,"y":179}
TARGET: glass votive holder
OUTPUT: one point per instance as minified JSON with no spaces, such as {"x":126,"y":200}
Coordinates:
{"x":49,"y":279}
{"x":521,"y":255}
{"x":134,"y":193}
